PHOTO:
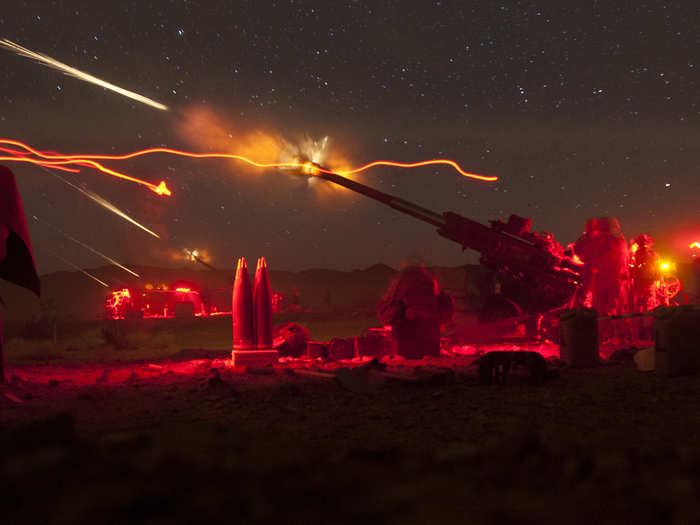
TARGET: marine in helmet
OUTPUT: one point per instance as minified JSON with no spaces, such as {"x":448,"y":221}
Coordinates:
{"x":645,"y":272}
{"x":415,"y":308}
{"x":603,"y":250}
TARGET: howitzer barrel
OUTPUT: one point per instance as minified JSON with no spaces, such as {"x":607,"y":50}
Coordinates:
{"x":522,"y":257}
{"x":401,"y":205}
{"x":206,"y":264}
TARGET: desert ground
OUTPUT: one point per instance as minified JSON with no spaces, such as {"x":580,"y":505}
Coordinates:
{"x":166,"y":430}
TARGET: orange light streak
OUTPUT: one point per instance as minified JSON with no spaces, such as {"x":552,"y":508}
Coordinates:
{"x":25,"y":153}
{"x":695,"y":245}
{"x":448,"y":162}
{"x":57,"y":161}
{"x":67,"y":159}
{"x":160,"y":189}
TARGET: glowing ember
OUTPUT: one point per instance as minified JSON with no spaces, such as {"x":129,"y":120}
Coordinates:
{"x":695,"y":245}
{"x":182,"y":290}
{"x":162,"y":189}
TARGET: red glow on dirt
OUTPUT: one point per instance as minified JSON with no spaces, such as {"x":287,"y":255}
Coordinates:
{"x":175,"y":370}
{"x":51,"y":160}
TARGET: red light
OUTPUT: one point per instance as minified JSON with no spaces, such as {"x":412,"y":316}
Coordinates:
{"x":666,"y":266}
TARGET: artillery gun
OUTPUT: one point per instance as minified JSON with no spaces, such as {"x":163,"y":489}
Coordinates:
{"x":530,"y":278}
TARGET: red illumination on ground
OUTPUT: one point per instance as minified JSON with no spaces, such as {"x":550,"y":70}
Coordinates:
{"x":169,"y":371}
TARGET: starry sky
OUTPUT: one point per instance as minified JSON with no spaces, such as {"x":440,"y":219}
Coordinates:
{"x":580,"y":108}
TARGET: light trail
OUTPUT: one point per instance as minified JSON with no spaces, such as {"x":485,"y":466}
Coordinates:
{"x":76,"y":73}
{"x":80,"y":269}
{"x":160,"y":189}
{"x":695,"y":245}
{"x":90,"y":248}
{"x":52,"y":160}
{"x":102,"y":202}
{"x":448,"y":162}
{"x":25,"y":153}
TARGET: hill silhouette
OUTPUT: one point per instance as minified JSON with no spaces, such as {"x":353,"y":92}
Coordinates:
{"x":77,"y":297}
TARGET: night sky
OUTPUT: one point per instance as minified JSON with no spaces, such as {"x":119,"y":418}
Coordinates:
{"x":580,"y":112}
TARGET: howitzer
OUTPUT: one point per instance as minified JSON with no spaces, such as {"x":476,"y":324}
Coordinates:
{"x":533,"y":278}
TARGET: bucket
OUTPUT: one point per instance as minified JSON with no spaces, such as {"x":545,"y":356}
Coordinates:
{"x":578,"y":337}
{"x":677,"y":340}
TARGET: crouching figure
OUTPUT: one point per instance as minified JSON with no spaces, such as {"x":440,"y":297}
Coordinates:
{"x":415,"y":308}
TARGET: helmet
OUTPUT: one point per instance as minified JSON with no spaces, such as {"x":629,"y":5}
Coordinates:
{"x":603,"y":225}
{"x":643,"y":241}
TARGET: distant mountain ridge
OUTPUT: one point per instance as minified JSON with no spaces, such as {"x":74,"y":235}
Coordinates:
{"x":76,"y":296}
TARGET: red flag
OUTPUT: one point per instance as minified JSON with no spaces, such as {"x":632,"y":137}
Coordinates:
{"x":18,"y":266}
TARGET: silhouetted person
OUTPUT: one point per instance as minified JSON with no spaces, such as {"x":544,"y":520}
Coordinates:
{"x":16,"y":257}
{"x":415,"y":308}
{"x":645,"y":275}
{"x":606,"y":280}
{"x":645,"y":272}
{"x":603,"y":249}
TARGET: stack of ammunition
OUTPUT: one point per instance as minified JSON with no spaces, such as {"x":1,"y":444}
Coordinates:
{"x":252,"y":317}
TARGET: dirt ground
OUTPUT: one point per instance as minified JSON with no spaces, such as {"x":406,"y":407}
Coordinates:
{"x":190,"y":439}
